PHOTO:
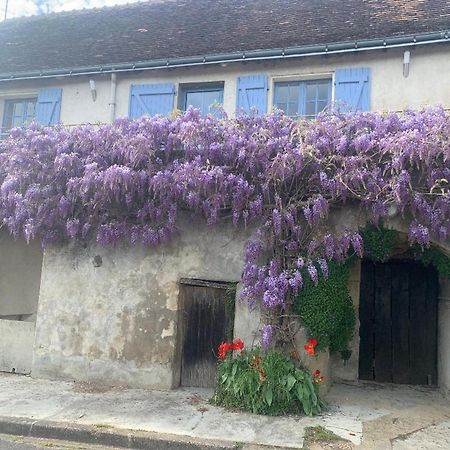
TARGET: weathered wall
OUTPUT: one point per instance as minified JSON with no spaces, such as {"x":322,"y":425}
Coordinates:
{"x":110,"y":314}
{"x":425,"y":84}
{"x":16,"y":346}
{"x":444,"y":336}
{"x":20,"y":275}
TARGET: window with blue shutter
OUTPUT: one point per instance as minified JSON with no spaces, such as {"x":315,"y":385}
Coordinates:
{"x":206,"y":97}
{"x":48,"y":106}
{"x":252,"y":94}
{"x":352,"y":89}
{"x":17,"y":112}
{"x":302,"y":98}
{"x":151,"y":99}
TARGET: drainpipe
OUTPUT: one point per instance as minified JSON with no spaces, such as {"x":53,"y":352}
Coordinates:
{"x":112,"y":101}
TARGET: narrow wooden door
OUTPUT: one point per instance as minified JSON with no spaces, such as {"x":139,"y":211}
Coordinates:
{"x":398,"y":323}
{"x":208,"y":316}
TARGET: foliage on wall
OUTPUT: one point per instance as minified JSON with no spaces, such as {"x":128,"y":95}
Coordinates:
{"x":326,"y":309}
{"x":379,"y":242}
{"x":128,"y":182}
{"x":432,"y":255}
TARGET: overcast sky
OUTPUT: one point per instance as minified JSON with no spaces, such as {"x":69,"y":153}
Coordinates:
{"x":30,"y":7}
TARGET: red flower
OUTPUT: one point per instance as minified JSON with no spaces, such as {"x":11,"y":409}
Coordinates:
{"x":310,"y":346}
{"x":224,"y":348}
{"x":294,"y":354}
{"x":238,"y":344}
{"x":317,"y":378}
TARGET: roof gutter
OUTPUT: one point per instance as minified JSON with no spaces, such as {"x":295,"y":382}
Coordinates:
{"x":255,"y":55}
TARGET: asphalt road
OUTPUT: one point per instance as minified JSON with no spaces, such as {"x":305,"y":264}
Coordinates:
{"x":8,"y":442}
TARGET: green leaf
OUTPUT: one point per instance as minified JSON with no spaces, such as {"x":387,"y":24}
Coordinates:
{"x":300,"y":395}
{"x":268,"y":396}
{"x":311,"y":390}
{"x":291,"y":380}
{"x":234,"y":370}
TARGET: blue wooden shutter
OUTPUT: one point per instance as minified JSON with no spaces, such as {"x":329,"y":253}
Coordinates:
{"x":252,"y":93}
{"x":48,"y":106}
{"x":352,"y":89}
{"x":151,"y":99}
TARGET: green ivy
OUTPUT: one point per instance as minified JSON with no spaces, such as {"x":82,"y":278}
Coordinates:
{"x":327,"y":309}
{"x":265,"y":383}
{"x":439,"y":260}
{"x":379,"y":242}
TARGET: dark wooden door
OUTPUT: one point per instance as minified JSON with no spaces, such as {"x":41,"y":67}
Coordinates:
{"x":208,"y":316}
{"x":398,"y":323}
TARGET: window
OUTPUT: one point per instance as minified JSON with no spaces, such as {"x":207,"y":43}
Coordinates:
{"x":302,"y":98}
{"x":18,"y":112}
{"x":203,"y":96}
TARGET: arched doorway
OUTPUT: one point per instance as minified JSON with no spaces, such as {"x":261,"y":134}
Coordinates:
{"x":398,"y":314}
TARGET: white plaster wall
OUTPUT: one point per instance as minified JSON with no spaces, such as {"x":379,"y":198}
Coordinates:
{"x":20,"y":276}
{"x":428,"y":82}
{"x":16,"y":346}
{"x":117,"y":323}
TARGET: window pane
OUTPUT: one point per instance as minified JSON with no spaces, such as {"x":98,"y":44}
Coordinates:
{"x":209,"y":99}
{"x":194,"y":99}
{"x":18,"y":109}
{"x":7,"y":117}
{"x":282,"y":106}
{"x":310,"y":108}
{"x":281,"y":94}
{"x":292,"y":109}
{"x":293,"y":92}
{"x":31,"y":106}
{"x":311,"y":92}
{"x":321,"y":105}
{"x":323,"y":91}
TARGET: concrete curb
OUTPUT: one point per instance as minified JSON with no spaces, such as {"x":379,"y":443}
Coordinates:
{"x":111,"y":437}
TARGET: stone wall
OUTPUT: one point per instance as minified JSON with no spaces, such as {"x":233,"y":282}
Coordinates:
{"x":109,"y":315}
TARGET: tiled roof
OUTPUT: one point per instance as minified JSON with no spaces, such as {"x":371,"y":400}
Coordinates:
{"x":160,"y":29}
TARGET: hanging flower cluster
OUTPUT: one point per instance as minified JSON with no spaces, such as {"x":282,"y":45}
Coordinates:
{"x":129,"y":181}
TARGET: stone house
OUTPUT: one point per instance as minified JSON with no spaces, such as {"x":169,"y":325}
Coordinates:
{"x":123,"y":315}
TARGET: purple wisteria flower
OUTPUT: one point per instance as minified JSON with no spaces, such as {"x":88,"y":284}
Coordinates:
{"x":266,"y":336}
{"x":279,"y":178}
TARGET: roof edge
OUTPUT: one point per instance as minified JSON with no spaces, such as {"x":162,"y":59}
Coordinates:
{"x":253,"y":55}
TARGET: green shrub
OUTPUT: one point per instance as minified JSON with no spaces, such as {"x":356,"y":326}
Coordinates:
{"x":266,"y":383}
{"x":327,"y":309}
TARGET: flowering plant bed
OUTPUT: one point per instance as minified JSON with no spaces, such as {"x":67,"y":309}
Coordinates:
{"x":265,"y":383}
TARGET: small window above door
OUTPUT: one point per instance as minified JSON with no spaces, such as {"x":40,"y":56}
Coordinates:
{"x":206,"y":97}
{"x":302,"y":98}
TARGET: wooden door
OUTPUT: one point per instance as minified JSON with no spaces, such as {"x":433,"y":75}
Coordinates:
{"x":398,"y":323}
{"x":207,"y":320}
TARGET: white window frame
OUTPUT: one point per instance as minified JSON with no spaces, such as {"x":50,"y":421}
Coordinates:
{"x":298,"y":77}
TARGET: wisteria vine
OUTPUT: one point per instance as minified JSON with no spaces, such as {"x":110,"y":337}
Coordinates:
{"x":129,"y":181}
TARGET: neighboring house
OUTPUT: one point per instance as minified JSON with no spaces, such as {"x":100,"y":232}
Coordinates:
{"x":117,"y":316}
